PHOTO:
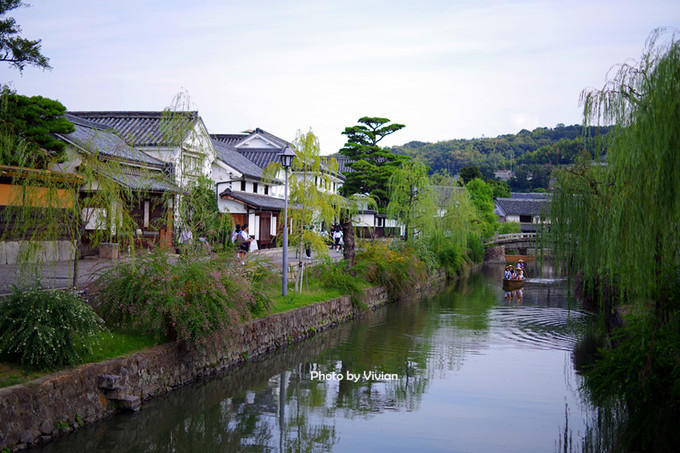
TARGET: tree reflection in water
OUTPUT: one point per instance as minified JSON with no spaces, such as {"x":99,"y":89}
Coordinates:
{"x":273,"y":404}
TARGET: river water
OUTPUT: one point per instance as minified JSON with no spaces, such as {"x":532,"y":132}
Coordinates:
{"x":472,"y":369}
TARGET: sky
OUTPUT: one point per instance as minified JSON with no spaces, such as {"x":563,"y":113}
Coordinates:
{"x":447,"y":69}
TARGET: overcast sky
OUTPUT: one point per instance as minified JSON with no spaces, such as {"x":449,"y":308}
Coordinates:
{"x":446,"y":69}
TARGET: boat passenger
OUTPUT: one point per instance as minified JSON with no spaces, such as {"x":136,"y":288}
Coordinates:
{"x":519,"y":275}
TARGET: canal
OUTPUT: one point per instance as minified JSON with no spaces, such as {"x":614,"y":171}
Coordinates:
{"x":472,"y":369}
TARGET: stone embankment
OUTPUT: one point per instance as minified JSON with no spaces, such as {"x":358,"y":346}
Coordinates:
{"x":494,"y":254}
{"x":54,"y":405}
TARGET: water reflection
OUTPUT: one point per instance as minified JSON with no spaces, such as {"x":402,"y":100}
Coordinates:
{"x":469,"y":370}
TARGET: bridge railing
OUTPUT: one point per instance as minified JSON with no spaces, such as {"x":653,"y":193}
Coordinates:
{"x":511,"y":237}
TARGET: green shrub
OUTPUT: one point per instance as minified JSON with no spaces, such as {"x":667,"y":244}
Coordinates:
{"x":451,"y":258}
{"x":197,"y":300}
{"x":395,"y":266}
{"x":41,"y":329}
{"x":333,"y":275}
{"x":643,"y":370}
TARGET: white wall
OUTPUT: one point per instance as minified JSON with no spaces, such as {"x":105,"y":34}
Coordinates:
{"x":364,"y":220}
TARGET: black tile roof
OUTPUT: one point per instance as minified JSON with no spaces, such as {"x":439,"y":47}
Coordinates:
{"x":137,"y":179}
{"x":228,"y":139}
{"x":93,"y":137}
{"x":529,"y":196}
{"x":277,"y":140}
{"x":145,"y":128}
{"x":261,"y":157}
{"x":233,"y":158}
{"x":343,"y":162}
{"x":261,"y":202}
{"x":235,"y":139}
{"x":520,"y":206}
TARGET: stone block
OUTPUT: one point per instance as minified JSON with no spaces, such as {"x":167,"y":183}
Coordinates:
{"x":67,"y":250}
{"x":119,"y":393}
{"x":47,"y":427}
{"x":49,"y":251}
{"x":108,"y":381}
{"x":11,"y":252}
{"x":108,"y":251}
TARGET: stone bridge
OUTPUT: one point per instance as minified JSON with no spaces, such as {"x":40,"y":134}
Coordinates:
{"x":520,"y":242}
{"x":516,"y":240}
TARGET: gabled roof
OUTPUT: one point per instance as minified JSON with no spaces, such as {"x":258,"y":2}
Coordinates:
{"x":228,"y":139}
{"x":144,"y":128}
{"x":275,"y":141}
{"x":260,"y":202}
{"x":233,"y":158}
{"x":530,"y":196}
{"x":521,"y":206}
{"x":93,"y":137}
{"x":261,"y":157}
{"x":241,"y":140}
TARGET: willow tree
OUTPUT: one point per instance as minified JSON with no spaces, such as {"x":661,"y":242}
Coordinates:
{"x":412,"y":201}
{"x":46,"y":207}
{"x":457,"y":219}
{"x":618,"y":225}
{"x":312,"y":201}
{"x":619,"y":220}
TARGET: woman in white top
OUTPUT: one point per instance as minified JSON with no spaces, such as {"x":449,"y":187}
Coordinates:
{"x":243,"y":242}
{"x":337,"y":236}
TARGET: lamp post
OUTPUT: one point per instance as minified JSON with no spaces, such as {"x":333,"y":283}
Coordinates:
{"x":286,"y":157}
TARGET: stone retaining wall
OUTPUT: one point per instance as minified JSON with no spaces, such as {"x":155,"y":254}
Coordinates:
{"x":51,"y":406}
{"x":494,"y":254}
{"x":44,"y":251}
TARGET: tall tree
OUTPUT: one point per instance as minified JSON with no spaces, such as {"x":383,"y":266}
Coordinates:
{"x":412,"y":201}
{"x":311,"y":200}
{"x":372,"y":165}
{"x":481,"y":195}
{"x":34,"y":119}
{"x":14,"y":49}
{"x":470,"y":172}
{"x":627,"y":211}
{"x":619,"y":222}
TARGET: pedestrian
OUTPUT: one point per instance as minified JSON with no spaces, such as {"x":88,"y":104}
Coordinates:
{"x":234,"y":236}
{"x":337,"y":237}
{"x":185,"y":239}
{"x":243,"y":242}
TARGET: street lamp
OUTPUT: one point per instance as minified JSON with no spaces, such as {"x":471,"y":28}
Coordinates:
{"x":286,"y":157}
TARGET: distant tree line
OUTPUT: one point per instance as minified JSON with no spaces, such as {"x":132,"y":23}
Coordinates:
{"x":532,"y":155}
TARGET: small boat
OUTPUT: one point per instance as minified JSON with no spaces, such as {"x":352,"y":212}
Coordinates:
{"x":511,"y":285}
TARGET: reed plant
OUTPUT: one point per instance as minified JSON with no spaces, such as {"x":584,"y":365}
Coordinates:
{"x":394,"y":265}
{"x":194,"y":300}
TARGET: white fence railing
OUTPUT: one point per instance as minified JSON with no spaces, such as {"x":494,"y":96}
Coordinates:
{"x":511,"y":237}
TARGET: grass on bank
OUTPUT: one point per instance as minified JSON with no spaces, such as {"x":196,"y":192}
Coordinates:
{"x":316,"y":293}
{"x":114,"y":344}
{"x":208,"y":287}
{"x":121,"y":342}
{"x":108,"y":345}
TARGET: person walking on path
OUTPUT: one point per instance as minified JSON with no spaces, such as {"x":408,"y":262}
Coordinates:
{"x":337,"y":237}
{"x":243,"y":243}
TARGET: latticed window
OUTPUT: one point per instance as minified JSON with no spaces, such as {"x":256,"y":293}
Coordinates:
{"x":193,"y":165}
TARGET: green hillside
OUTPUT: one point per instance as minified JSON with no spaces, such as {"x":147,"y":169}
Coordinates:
{"x":526,"y":150}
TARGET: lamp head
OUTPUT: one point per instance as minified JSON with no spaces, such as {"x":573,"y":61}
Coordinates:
{"x":286,"y":157}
